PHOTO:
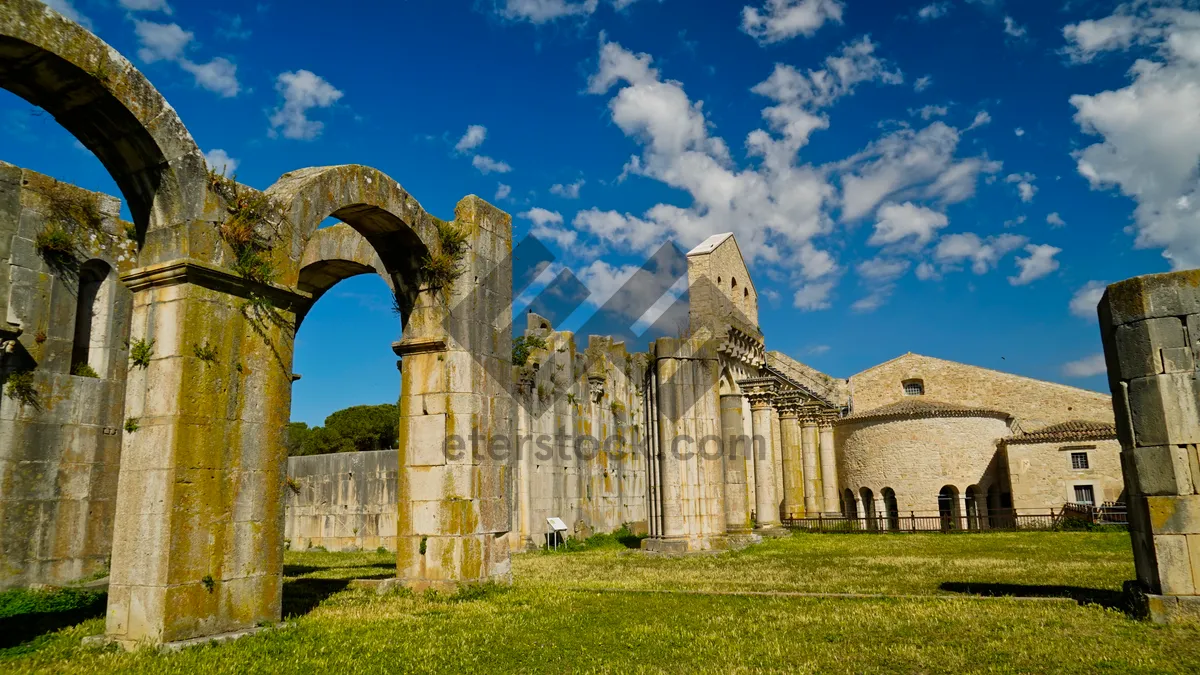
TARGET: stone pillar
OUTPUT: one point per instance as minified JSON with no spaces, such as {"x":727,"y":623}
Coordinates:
{"x":881,"y":514}
{"x":814,"y":502}
{"x":829,"y":482}
{"x":964,"y":521}
{"x":736,"y":447}
{"x":1150,"y":328}
{"x":669,"y":415}
{"x":523,"y":537}
{"x":761,"y":393}
{"x":793,"y":480}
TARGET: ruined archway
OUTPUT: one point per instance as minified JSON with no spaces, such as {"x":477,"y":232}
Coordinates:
{"x":98,"y":96}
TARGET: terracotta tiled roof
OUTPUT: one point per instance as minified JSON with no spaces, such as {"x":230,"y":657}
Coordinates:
{"x":1075,"y":430}
{"x":922,"y":407}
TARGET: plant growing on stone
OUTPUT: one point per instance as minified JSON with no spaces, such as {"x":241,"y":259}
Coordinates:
{"x":140,"y":352}
{"x":22,"y":389}
{"x":131,"y":424}
{"x":254,"y":222}
{"x":442,"y":267}
{"x":71,"y":207}
{"x":292,"y":484}
{"x":84,"y":370}
{"x":208,"y":583}
{"x":56,"y":245}
{"x":205,"y":352}
{"x":523,"y":345}
{"x":39,"y":337}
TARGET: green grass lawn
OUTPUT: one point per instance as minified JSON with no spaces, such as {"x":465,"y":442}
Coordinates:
{"x":555,"y":618}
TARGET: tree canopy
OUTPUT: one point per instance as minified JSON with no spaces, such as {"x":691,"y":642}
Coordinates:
{"x":354,"y":429}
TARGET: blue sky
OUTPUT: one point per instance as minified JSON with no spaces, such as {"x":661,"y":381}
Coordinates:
{"x":956,"y":178}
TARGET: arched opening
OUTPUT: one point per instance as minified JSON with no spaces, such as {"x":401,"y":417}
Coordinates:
{"x":976,"y":508}
{"x":849,"y":505}
{"x":948,"y":510}
{"x":93,"y":315}
{"x":1000,"y":513}
{"x":868,"y":508}
{"x":891,"y":507}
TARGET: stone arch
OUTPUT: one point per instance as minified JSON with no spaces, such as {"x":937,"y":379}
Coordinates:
{"x":401,"y":233}
{"x":331,"y":255}
{"x":891,"y":508}
{"x":948,"y":508}
{"x":868,"y":507}
{"x":112,"y":109}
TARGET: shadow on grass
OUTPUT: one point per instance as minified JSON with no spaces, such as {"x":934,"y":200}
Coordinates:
{"x":1109,"y":599}
{"x":21,"y":628}
{"x":301,"y":570}
{"x":301,"y":596}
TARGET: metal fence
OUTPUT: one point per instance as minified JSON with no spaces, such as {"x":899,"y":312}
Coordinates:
{"x":1069,"y":517}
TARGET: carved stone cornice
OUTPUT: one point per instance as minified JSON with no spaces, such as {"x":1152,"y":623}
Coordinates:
{"x":418,"y":346}
{"x":760,"y":391}
{"x":205,"y":275}
{"x":743,"y":347}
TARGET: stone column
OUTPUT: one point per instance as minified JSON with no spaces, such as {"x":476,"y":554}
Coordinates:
{"x":964,"y":519}
{"x":736,"y":446}
{"x":1150,"y":328}
{"x":881,"y":514}
{"x":793,"y":481}
{"x":829,"y":482}
{"x":524,"y":479}
{"x":814,"y":502}
{"x":761,"y":394}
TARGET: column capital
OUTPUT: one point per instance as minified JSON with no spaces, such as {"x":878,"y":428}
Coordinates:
{"x":760,"y":391}
{"x":789,"y":405}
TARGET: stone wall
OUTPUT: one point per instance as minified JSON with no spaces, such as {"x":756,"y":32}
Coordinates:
{"x":60,"y":447}
{"x":1033,"y":402}
{"x":917,"y":457}
{"x":342,"y":502}
{"x":1041,"y":475}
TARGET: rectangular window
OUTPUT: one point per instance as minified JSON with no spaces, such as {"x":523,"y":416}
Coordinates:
{"x":1085,"y":495}
{"x":1079,"y":460}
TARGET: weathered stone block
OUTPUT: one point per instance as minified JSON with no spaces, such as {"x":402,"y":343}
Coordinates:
{"x":1192,"y":321}
{"x":1165,"y":409}
{"x":1174,"y":564}
{"x":1177,"y":360}
{"x":1174,"y":514}
{"x":1138,"y":345}
{"x":424,"y":440}
{"x":1154,"y":296}
{"x":1159,"y":470}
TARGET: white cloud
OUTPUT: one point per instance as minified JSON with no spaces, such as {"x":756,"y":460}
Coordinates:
{"x":1086,"y":367}
{"x":931,"y":111}
{"x":1088,"y":38}
{"x":908,"y":164}
{"x":1025,"y":187}
{"x":907,"y":221}
{"x":218,"y":75}
{"x":982,"y":118}
{"x":1012,"y":28}
{"x":473,"y":138}
{"x":818,"y":349}
{"x":488,"y":165}
{"x":543,"y":11}
{"x":878,"y":276}
{"x":160,"y":41}
{"x":568,"y":191}
{"x":780,"y":20}
{"x":68,"y":10}
{"x":854,"y":64}
{"x":1039,"y":263}
{"x":922,"y":83}
{"x":218,"y":160}
{"x":503,"y":191}
{"x":302,"y":91}
{"x":1083,"y":303}
{"x":813,"y":296}
{"x":933,"y":11}
{"x":926,"y":271}
{"x":168,"y":42}
{"x":1055,"y":220}
{"x":146,"y":6}
{"x":542,"y":217}
{"x":1019,"y":132}
{"x":983,"y":254}
{"x":1149,"y":130}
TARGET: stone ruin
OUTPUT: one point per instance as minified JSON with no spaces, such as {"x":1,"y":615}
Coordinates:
{"x":147,"y":371}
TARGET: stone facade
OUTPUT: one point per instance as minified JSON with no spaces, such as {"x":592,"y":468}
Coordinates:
{"x":342,"y":502}
{"x":60,"y":450}
{"x":1063,"y":463}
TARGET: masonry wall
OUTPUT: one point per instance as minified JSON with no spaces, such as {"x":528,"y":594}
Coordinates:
{"x":344,"y":502}
{"x":917,"y":457}
{"x":60,"y":452}
{"x":580,"y":432}
{"x":1042,"y":477}
{"x":1034,"y":403}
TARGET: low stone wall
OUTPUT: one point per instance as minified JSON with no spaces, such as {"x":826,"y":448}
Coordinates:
{"x":342,"y":502}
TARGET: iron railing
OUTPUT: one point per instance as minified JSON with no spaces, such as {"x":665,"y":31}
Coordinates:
{"x":1070,"y":516}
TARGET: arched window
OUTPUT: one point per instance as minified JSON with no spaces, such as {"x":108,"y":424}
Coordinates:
{"x":891,"y":507}
{"x":976,"y":508}
{"x":88,"y":351}
{"x":746,"y":293}
{"x":734,"y":279}
{"x":914,"y":387}
{"x":849,"y":505}
{"x":868,"y":507}
{"x":948,"y":507}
